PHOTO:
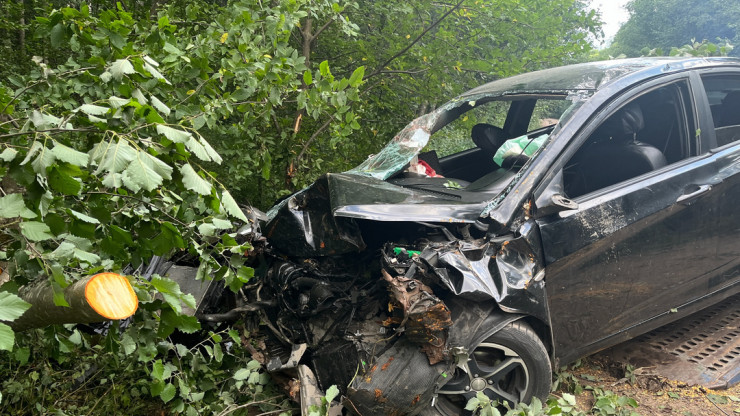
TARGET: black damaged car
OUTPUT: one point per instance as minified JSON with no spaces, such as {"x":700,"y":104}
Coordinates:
{"x":522,"y":225}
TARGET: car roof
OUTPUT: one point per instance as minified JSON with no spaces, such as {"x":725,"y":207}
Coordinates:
{"x":592,"y":76}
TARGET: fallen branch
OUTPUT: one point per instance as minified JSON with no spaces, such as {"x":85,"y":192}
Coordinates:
{"x":98,"y":298}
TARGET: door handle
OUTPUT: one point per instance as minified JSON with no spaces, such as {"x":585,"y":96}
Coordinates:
{"x":687,"y":198}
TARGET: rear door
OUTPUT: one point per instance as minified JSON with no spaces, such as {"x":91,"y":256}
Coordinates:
{"x":722,"y":89}
{"x":636,"y":248}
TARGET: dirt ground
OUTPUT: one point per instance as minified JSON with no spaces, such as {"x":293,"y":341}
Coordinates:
{"x":655,"y":395}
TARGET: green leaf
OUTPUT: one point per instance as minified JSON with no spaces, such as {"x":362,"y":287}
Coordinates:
{"x":160,"y":106}
{"x":232,"y":208}
{"x":64,"y":252}
{"x":170,"y":291}
{"x":160,"y":167}
{"x":174,"y":135}
{"x":22,"y":355}
{"x":92,"y":109}
{"x":117,"y":102}
{"x":58,"y":297}
{"x":83,"y":217}
{"x":218,"y":354}
{"x":35,"y":147}
{"x":139,"y":96}
{"x":207,"y":229}
{"x":241,"y":374}
{"x":356,"y":78}
{"x":197,"y":149}
{"x":140,"y":174}
{"x":222,"y":224}
{"x":43,"y":160}
{"x":36,"y":231}
{"x":324,"y":69}
{"x":57,"y":35}
{"x":245,"y":274}
{"x":331,"y":393}
{"x":168,"y":393}
{"x":157,"y":370}
{"x":8,"y":155}
{"x":112,"y":157}
{"x":185,"y":323}
{"x":193,"y":181}
{"x":7,"y":338}
{"x":121,"y":235}
{"x":86,"y":256}
{"x":11,"y":306}
{"x":12,"y":206}
{"x":715,"y":398}
{"x":307,"y":78}
{"x":121,"y":67}
{"x":472,"y":404}
{"x":212,"y":153}
{"x":63,"y":183}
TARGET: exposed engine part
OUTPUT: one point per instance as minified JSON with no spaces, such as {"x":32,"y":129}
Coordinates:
{"x":235,"y":313}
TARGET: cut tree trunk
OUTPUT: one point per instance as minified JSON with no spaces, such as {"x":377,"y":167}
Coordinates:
{"x":98,"y":298}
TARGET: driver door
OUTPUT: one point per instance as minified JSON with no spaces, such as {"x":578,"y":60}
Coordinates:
{"x":637,"y":247}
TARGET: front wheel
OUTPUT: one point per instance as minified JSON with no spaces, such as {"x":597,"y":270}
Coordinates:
{"x":509,"y":366}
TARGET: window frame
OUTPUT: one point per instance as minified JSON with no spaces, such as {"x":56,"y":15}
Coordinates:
{"x":712,"y":145}
{"x":696,"y":102}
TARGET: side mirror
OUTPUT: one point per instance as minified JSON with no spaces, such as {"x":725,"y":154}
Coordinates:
{"x":557,"y":203}
{"x":552,"y":200}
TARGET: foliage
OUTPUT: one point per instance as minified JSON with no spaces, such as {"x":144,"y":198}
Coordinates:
{"x":606,"y":403}
{"x":694,"y":49}
{"x":11,"y":308}
{"x":103,"y":166}
{"x":667,"y":23}
{"x":315,"y":410}
{"x":279,"y":88}
{"x":65,"y":371}
{"x":442,"y":50}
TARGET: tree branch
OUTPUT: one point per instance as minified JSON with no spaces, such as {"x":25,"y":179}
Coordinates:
{"x":322,"y":28}
{"x":50,"y":131}
{"x":140,"y":200}
{"x":417,"y":39}
{"x":312,"y":138}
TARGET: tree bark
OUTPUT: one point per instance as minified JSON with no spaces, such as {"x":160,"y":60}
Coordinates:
{"x":98,"y":298}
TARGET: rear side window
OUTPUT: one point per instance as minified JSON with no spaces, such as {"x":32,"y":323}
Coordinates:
{"x":723,"y":92}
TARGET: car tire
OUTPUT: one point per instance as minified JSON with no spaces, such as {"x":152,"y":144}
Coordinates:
{"x":510,"y":365}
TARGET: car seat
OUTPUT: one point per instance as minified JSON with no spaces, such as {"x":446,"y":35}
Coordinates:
{"x":615,"y":154}
{"x":488,"y":138}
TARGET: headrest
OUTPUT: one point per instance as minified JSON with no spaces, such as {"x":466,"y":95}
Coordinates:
{"x":730,"y":112}
{"x":488,"y":137}
{"x":732,"y":98}
{"x":623,"y":124}
{"x":631,"y":118}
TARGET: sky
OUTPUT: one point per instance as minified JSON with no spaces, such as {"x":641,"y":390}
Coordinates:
{"x":613,"y":14}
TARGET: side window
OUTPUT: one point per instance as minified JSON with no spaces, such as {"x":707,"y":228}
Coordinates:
{"x":723,"y":92}
{"x":650,"y":131}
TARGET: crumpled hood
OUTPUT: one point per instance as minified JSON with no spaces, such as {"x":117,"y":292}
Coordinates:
{"x":319,"y":219}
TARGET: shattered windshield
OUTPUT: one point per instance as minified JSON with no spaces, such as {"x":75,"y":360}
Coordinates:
{"x":574,"y":83}
{"x":450,"y":129}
